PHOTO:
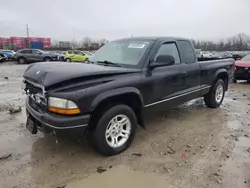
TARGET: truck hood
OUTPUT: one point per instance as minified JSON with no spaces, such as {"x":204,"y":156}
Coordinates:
{"x":48,"y":74}
{"x":242,"y":64}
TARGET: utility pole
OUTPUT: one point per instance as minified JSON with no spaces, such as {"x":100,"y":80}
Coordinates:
{"x":28,"y":35}
{"x":73,"y":38}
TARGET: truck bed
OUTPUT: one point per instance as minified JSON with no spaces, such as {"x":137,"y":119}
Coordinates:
{"x":211,"y":67}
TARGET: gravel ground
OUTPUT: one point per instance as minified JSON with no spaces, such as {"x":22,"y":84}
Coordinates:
{"x":191,"y":146}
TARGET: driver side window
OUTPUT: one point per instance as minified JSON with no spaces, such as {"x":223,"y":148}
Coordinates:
{"x":169,"y":49}
{"x":36,"y":52}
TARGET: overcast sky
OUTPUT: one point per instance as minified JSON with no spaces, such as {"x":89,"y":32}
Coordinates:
{"x":111,"y":19}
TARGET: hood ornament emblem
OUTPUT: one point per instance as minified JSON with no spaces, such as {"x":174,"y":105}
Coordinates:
{"x":37,"y":72}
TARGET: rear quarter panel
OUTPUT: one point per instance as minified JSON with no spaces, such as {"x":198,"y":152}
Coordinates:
{"x":210,"y":70}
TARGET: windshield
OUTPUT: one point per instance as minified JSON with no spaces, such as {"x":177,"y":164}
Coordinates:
{"x":88,"y":53}
{"x":246,"y":58}
{"x":126,"y":53}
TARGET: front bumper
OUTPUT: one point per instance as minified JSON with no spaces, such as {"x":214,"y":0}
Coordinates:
{"x":56,"y":122}
{"x":2,"y":59}
{"x":243,"y":74}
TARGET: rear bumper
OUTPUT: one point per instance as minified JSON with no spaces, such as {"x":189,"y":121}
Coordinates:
{"x":57,"y":122}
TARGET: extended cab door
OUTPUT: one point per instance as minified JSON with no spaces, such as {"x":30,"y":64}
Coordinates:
{"x":190,"y":71}
{"x":163,"y":83}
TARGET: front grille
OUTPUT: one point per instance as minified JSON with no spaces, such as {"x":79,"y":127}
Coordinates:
{"x":40,"y":107}
{"x":242,"y":69}
{"x":36,"y":99}
{"x":33,"y":89}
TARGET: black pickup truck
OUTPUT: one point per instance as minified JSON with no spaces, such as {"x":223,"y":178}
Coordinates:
{"x":106,"y":98}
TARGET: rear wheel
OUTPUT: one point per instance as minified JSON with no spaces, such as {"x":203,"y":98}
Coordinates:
{"x":21,"y":60}
{"x":216,"y":94}
{"x":115,"y":130}
{"x":47,"y":59}
{"x":234,"y":81}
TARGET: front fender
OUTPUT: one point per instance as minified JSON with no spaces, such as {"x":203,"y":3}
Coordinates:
{"x":113,"y":93}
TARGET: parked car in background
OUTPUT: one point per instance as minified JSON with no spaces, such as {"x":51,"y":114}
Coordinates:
{"x":207,"y":54}
{"x":237,"y":56}
{"x":55,"y":53}
{"x":76,"y":56}
{"x":9,"y":54}
{"x":61,"y":55}
{"x":33,"y":55}
{"x":219,"y":55}
{"x":88,"y":53}
{"x":3,"y":57}
{"x":242,"y":69}
{"x":123,"y":82}
{"x":198,"y":53}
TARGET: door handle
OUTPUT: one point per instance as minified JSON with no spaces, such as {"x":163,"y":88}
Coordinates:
{"x":183,"y":74}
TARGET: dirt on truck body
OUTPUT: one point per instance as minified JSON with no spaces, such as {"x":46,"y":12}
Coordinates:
{"x":189,"y":146}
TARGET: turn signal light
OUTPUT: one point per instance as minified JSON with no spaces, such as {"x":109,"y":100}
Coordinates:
{"x":64,"y":111}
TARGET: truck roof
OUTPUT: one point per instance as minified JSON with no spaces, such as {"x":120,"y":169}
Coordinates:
{"x":154,"y":38}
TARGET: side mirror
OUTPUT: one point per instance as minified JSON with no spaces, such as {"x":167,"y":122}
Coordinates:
{"x":162,"y":60}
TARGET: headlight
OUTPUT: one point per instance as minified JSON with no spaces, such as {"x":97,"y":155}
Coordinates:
{"x":62,"y":106}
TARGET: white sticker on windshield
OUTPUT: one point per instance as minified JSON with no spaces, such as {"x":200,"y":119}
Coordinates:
{"x":136,"y":46}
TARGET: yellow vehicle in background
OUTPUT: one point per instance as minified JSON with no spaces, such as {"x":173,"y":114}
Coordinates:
{"x":76,"y":56}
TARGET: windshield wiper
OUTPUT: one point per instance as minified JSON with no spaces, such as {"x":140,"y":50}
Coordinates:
{"x":109,"y":63}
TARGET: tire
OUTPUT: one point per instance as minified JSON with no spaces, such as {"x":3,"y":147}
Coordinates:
{"x":216,"y":94}
{"x":234,"y":81}
{"x":47,"y":59}
{"x":102,"y":138}
{"x":68,"y":60}
{"x":21,"y":60}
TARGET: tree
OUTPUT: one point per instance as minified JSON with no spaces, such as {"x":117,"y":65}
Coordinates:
{"x":103,"y":42}
{"x":86,"y":42}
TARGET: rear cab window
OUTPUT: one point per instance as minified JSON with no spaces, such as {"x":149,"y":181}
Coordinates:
{"x":186,"y":50}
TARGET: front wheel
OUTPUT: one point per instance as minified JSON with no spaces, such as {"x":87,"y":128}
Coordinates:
{"x":115,"y":130}
{"x":216,"y":94}
{"x":67,"y":60}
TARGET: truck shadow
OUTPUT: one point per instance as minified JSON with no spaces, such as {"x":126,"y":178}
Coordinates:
{"x":52,"y":146}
